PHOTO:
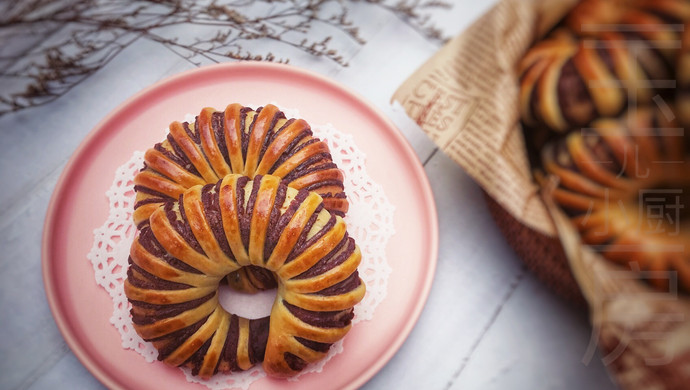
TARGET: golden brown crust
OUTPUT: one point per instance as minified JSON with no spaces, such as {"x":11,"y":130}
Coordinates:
{"x":608,"y":174}
{"x":603,"y":54}
{"x":238,"y":140}
{"x":179,"y":258}
{"x":244,"y":141}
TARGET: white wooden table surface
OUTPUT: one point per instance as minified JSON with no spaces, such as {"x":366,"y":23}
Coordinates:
{"x":487,"y":324}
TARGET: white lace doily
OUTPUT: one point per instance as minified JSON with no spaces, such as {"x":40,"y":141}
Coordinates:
{"x":369,"y":221}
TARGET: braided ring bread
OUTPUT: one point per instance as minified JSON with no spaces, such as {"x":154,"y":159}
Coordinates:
{"x":595,"y":62}
{"x":179,"y":258}
{"x":237,"y":140}
{"x":243,"y":141}
{"x":625,"y":185}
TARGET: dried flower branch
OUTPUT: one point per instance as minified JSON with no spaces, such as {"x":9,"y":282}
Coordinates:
{"x":50,"y":46}
{"x":413,"y":13}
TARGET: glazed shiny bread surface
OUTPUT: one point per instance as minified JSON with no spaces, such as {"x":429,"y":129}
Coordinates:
{"x":237,"y":140}
{"x":189,"y":247}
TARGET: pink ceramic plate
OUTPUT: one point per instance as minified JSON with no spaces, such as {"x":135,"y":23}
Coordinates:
{"x":82,"y":309}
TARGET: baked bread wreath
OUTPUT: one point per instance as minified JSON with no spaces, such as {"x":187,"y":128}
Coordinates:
{"x":603,"y":98}
{"x":190,"y":245}
{"x":604,"y":57}
{"x":243,"y":141}
{"x":625,"y":186}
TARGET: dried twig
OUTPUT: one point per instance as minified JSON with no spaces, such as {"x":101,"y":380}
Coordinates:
{"x":49,"y":46}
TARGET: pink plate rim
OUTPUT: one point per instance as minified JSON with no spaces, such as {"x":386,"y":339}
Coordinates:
{"x":51,"y":288}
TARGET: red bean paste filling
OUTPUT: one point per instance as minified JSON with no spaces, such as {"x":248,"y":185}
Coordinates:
{"x":277,"y":229}
{"x":181,"y":225}
{"x":271,"y":131}
{"x":295,"y":363}
{"x":229,"y":353}
{"x":156,"y":197}
{"x":298,"y":364}
{"x":143,"y":279}
{"x":326,"y":183}
{"x":303,"y":242}
{"x":293,"y":148}
{"x":239,"y":206}
{"x":210,"y":199}
{"x":159,"y":312}
{"x":337,"y":256}
{"x":322,"y":319}
{"x":197,"y":358}
{"x":218,"y":129}
{"x":308,"y":166}
{"x":573,"y":96}
{"x":272,"y":233}
{"x":176,"y":338}
{"x":600,"y":151}
{"x":326,"y":319}
{"x":258,"y":338}
{"x":149,"y":242}
{"x":177,"y":155}
{"x":350,"y":283}
{"x":266,"y":280}
{"x":315,"y":345}
{"x":244,"y":134}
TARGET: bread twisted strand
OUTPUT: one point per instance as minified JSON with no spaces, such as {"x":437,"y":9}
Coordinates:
{"x":596,"y":63}
{"x":178,"y":260}
{"x":242,"y":141}
{"x":606,"y":174}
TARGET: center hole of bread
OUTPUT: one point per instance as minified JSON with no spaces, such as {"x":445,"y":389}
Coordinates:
{"x":250,"y":306}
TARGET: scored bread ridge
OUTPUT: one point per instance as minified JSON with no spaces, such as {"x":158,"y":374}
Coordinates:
{"x":178,"y":260}
{"x":237,"y":140}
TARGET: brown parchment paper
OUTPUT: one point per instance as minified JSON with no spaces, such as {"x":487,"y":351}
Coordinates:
{"x":466,"y":99}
